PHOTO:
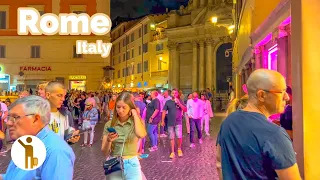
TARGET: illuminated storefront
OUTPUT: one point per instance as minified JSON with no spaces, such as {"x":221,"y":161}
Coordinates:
{"x":77,"y":82}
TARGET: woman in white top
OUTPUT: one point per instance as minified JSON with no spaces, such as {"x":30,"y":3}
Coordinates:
{"x":208,"y":114}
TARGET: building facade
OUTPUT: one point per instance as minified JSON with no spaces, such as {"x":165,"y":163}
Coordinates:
{"x":27,"y":60}
{"x":200,"y":46}
{"x":282,"y":35}
{"x":263,"y":39}
{"x":140,"y":54}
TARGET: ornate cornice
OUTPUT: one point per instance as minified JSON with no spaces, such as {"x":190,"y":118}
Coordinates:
{"x":209,"y":41}
{"x":201,"y":42}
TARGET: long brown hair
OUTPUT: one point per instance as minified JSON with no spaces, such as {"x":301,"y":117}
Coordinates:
{"x":126,"y":97}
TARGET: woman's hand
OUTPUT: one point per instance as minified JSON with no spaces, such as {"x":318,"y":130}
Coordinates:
{"x":112,"y":136}
{"x":134,"y":113}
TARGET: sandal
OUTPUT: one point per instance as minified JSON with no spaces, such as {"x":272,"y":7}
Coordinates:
{"x":83,"y":145}
{"x":90,"y":145}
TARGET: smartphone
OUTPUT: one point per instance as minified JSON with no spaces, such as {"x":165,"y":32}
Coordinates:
{"x":69,"y":136}
{"x":111,"y":130}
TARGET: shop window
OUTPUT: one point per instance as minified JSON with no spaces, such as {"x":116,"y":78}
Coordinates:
{"x":145,"y":66}
{"x":3,"y":20}
{"x":159,"y":47}
{"x":118,"y":73}
{"x":140,"y":33}
{"x":145,"y":29}
{"x":139,"y":68}
{"x":145,"y":47}
{"x":273,"y":58}
{"x":132,"y":37}
{"x":2,"y":51}
{"x":132,"y":53}
{"x":75,"y":55}
{"x":35,"y":51}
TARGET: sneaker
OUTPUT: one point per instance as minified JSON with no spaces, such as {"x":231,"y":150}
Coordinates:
{"x":180,"y":154}
{"x":154,"y":148}
{"x":172,"y":155}
{"x":192,"y":145}
{"x":208,"y":134}
{"x":200,"y":141}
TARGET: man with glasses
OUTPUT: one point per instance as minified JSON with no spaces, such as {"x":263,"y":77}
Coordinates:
{"x":30,"y":116}
{"x":61,"y":121}
{"x":248,"y":145}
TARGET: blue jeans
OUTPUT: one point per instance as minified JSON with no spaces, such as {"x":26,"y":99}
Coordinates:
{"x":195,"y":124}
{"x":153,"y":134}
{"x":132,"y":171}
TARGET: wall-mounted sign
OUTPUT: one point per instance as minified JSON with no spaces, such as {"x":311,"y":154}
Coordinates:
{"x":35,"y":68}
{"x":77,"y":77}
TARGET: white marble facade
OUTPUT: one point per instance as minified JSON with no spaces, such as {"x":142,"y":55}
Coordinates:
{"x":193,"y":41}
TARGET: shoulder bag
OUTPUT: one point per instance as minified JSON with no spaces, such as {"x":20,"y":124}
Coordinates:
{"x":114,"y":164}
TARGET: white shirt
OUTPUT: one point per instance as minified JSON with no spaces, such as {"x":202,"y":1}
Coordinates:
{"x":161,"y":99}
{"x":195,"y":109}
{"x":4,"y":109}
{"x":58,"y":123}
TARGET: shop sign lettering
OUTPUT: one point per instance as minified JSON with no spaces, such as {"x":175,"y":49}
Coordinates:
{"x":35,"y":68}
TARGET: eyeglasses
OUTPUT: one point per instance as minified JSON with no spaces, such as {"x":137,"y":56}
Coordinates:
{"x":283,"y":92}
{"x":14,"y":119}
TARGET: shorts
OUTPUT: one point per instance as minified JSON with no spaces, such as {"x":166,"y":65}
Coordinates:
{"x":175,"y":130}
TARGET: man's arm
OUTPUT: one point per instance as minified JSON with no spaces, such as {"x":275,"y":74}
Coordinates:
{"x":60,"y":164}
{"x":291,"y":173}
{"x":218,"y":162}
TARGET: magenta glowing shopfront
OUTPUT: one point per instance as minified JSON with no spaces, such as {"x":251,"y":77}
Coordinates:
{"x":273,"y":51}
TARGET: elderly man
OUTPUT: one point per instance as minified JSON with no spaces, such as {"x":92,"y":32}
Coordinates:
{"x":61,"y":120}
{"x":30,"y":116}
{"x":248,"y":145}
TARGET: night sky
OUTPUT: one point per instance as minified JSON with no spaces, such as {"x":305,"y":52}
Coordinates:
{"x":136,"y":8}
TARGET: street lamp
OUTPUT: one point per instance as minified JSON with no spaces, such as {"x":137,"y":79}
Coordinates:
{"x":214,"y":19}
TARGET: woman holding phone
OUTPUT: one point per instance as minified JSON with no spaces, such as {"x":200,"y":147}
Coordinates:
{"x":128,"y":128}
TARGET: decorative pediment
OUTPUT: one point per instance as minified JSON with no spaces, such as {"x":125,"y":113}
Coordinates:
{"x":222,"y":11}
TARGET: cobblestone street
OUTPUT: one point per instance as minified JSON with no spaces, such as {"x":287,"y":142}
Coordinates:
{"x":197,"y":163}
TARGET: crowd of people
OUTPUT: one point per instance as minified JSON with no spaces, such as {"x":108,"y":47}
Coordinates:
{"x":249,"y":145}
{"x":135,"y":118}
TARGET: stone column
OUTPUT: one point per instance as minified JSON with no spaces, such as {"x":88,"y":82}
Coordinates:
{"x":195,"y":66}
{"x":172,"y":49}
{"x":210,"y":2}
{"x":209,"y":63}
{"x":201,"y":66}
{"x":305,"y":85}
{"x":195,"y":4}
{"x":202,"y":3}
{"x":177,"y":67}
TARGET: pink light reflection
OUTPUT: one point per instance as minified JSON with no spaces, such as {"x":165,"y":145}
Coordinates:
{"x":265,"y":40}
{"x":273,"y":57}
{"x":286,"y":21}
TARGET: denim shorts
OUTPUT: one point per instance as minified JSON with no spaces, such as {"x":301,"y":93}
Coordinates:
{"x":175,"y":130}
{"x":132,"y":171}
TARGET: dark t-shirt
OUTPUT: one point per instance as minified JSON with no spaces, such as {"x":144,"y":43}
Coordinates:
{"x":174,"y":113}
{"x":286,"y":118}
{"x":141,"y":105}
{"x":252,"y":147}
{"x":151,"y":107}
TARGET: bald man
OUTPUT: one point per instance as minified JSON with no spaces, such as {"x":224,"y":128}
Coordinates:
{"x":248,"y":145}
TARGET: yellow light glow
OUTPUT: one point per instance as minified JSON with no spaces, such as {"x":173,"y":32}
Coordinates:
{"x":152,"y":26}
{"x":160,"y":58}
{"x":119,"y":85}
{"x":231,"y":27}
{"x":231,"y":31}
{"x":214,"y":19}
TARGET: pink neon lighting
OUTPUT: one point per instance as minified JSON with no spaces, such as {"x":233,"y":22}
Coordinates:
{"x":265,"y":40}
{"x":286,"y":21}
{"x":273,"y":57}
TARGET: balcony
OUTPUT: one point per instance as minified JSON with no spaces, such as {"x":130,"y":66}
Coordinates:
{"x":160,"y":73}
{"x":158,"y":35}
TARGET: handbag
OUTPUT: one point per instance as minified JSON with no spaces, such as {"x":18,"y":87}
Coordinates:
{"x":114,"y":164}
{"x":2,"y":135}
